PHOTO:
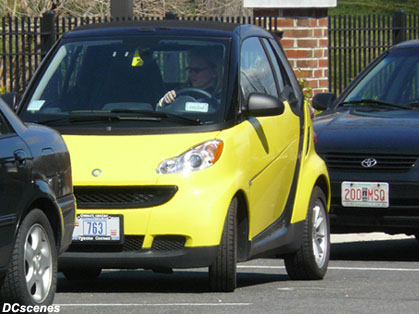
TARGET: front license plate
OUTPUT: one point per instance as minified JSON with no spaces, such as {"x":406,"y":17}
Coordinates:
{"x":97,"y":227}
{"x":365,"y":194}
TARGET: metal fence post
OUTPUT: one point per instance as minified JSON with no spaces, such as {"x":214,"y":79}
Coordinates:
{"x":48,"y":33}
{"x":399,"y":26}
{"x":170,"y":16}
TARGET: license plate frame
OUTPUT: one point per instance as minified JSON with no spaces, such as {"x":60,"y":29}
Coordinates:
{"x":109,"y":228}
{"x":365,"y":194}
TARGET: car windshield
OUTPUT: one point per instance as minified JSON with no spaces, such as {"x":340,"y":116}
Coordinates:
{"x":393,"y":84}
{"x":126,"y":79}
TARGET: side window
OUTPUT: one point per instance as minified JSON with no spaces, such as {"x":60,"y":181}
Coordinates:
{"x":278,"y":70}
{"x":4,"y":126}
{"x":292,"y":91}
{"x":255,"y":70}
{"x":172,"y":65}
{"x":61,"y":82}
{"x":77,"y":72}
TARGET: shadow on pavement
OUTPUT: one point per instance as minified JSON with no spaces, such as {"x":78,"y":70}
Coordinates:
{"x":146,"y":281}
{"x":196,"y":281}
{"x":384,"y":250}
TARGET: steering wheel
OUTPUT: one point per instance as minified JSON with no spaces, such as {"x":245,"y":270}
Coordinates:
{"x":193,"y":91}
{"x":190,"y":94}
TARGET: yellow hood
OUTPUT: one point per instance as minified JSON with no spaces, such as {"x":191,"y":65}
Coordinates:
{"x":126,"y":159}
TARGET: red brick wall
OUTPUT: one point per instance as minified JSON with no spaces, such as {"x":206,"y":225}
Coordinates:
{"x":305,"y":43}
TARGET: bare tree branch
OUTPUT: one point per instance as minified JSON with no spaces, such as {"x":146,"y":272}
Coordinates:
{"x":142,"y":8}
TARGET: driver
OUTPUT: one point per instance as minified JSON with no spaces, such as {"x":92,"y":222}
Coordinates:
{"x":203,"y":73}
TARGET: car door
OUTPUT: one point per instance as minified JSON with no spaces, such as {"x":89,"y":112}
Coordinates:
{"x":14,"y":184}
{"x":275,"y":150}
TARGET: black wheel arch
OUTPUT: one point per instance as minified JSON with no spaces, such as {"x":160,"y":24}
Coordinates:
{"x":323,"y":184}
{"x":46,"y":203}
{"x":52,"y":213}
{"x":243,"y":244}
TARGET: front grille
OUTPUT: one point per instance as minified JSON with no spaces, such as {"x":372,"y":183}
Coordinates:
{"x":130,"y":244}
{"x":122,"y":196}
{"x":384,"y":161}
{"x":168,"y":243}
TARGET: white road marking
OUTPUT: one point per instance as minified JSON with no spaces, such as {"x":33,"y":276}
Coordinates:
{"x":374,"y":268}
{"x":306,"y":288}
{"x":157,"y":304}
{"x":335,"y":268}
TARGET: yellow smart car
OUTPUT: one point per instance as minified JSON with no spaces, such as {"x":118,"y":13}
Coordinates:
{"x":191,"y":146}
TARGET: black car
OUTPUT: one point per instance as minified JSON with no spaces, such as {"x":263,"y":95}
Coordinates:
{"x":37,"y":209}
{"x":369,"y":138}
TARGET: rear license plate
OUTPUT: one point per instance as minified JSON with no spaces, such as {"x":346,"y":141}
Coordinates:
{"x":365,"y":194}
{"x":98,"y":227}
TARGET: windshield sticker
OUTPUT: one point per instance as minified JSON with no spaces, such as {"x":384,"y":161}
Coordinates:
{"x":196,"y":106}
{"x":35,"y":105}
{"x":136,"y":60}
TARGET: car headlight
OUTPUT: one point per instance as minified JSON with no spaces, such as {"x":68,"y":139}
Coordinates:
{"x":197,"y":158}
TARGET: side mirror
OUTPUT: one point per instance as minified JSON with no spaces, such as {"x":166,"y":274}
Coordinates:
{"x":323,"y":101}
{"x":260,"y":105}
{"x":10,"y":99}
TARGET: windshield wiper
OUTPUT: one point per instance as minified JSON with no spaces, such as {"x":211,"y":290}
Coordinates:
{"x":79,"y":118}
{"x":374,"y":102}
{"x":116,"y":115}
{"x":159,"y":114}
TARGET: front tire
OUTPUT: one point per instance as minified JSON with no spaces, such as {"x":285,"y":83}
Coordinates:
{"x":223,"y":274}
{"x":31,"y":278}
{"x":311,"y":260}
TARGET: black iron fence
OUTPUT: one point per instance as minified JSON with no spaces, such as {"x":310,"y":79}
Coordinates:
{"x":354,"y":41}
{"x":24,"y":41}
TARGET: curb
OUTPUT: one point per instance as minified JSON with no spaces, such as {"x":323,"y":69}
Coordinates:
{"x":361,"y":237}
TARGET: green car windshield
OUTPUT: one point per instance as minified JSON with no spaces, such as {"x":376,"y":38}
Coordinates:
{"x":129,"y":77}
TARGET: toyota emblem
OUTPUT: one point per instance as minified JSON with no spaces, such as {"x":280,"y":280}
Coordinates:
{"x":96,"y":172}
{"x":369,"y":162}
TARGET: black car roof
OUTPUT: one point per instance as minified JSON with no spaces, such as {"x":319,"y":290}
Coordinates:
{"x":408,"y":44}
{"x":202,"y":27}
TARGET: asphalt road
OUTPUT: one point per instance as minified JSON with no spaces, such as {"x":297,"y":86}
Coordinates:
{"x":365,"y":275}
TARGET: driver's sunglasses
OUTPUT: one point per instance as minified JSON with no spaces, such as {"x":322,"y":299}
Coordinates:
{"x":196,"y":70}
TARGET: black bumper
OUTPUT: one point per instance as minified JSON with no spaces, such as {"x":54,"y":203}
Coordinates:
{"x":344,"y":223}
{"x":67,"y":206}
{"x":146,"y":259}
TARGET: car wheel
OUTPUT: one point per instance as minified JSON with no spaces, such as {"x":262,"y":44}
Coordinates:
{"x":82,"y":273}
{"x":311,"y":260}
{"x":31,"y":278}
{"x":222,"y":274}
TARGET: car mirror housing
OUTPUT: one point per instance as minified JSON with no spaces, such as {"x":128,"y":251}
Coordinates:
{"x":323,"y":101}
{"x":260,"y":105}
{"x":10,"y":99}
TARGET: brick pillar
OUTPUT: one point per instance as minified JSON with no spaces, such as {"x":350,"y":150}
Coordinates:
{"x":305,"y":43}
